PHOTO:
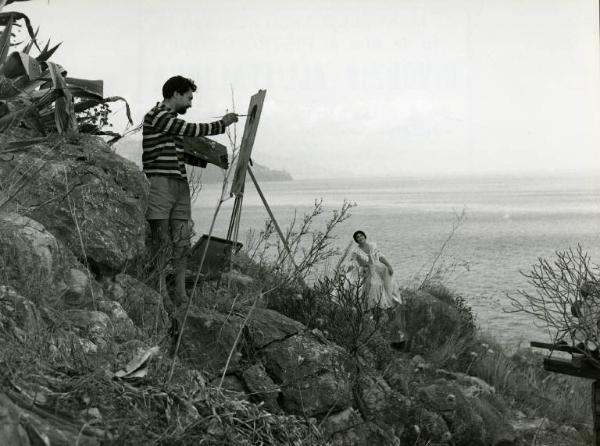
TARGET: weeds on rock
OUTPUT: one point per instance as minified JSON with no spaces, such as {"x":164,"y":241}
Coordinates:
{"x":309,"y":248}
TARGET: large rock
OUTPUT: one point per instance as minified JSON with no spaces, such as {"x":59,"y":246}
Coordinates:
{"x":35,"y":262}
{"x":426,"y":424}
{"x":209,"y":338}
{"x":92,"y":325}
{"x":314,"y":374}
{"x":348,"y":428}
{"x":267,"y":326}
{"x":429,"y":321}
{"x":18,"y":315}
{"x":262,"y":387}
{"x":141,"y":303}
{"x":122,"y":326}
{"x":472,"y":421}
{"x":20,"y":427}
{"x":11,"y":432}
{"x":380,"y":404}
{"x":83,"y":192}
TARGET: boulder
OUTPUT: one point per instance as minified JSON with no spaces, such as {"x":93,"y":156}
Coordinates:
{"x":346,"y":428}
{"x":11,"y":432}
{"x":314,"y":375}
{"x":471,"y":385}
{"x":141,"y":303}
{"x":81,"y":289}
{"x":233,"y":386}
{"x":18,"y":313}
{"x":267,"y":326}
{"x":88,"y":324}
{"x":262,"y":387}
{"x":426,"y":424}
{"x":209,"y":338}
{"x":20,"y":427}
{"x":429,"y":321}
{"x":471,"y":421}
{"x":397,"y":374}
{"x":380,"y":404}
{"x":526,"y":427}
{"x":122,"y":327}
{"x":83,"y":193}
{"x":35,"y":262}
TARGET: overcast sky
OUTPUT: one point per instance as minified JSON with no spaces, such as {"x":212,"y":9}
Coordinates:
{"x":359,"y":87}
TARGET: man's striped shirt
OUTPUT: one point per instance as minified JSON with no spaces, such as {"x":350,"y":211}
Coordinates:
{"x":162,"y":141}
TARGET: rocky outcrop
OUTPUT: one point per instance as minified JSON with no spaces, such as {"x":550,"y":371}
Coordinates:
{"x":81,"y":222}
{"x":262,"y":387}
{"x":431,"y":320}
{"x":22,"y":427}
{"x":471,"y":421}
{"x":18,"y":315}
{"x":85,"y":195}
{"x":267,"y":326}
{"x":141,"y":303}
{"x":209,"y":340}
{"x":315,"y":376}
{"x":31,"y":259}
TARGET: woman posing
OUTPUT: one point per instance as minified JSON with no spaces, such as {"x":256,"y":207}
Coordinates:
{"x":376,"y":272}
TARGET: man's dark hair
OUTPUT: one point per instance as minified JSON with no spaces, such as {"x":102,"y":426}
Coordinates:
{"x":177,"y":84}
{"x":356,"y":235}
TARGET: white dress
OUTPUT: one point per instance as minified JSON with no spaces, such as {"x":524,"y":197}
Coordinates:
{"x":378,"y":282}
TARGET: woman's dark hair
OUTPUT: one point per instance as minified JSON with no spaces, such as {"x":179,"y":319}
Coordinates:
{"x":356,"y":235}
{"x":177,"y":84}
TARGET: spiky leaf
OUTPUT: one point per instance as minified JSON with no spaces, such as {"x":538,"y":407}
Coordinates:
{"x":19,"y":63}
{"x":85,"y":88}
{"x":47,"y":52}
{"x":64,"y":111}
{"x":5,"y":41}
{"x":28,"y":47}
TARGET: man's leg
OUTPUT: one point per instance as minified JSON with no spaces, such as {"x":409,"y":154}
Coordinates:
{"x":180,"y":236}
{"x":161,"y":240}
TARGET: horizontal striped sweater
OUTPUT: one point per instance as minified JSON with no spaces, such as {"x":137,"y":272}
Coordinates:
{"x":162,"y":141}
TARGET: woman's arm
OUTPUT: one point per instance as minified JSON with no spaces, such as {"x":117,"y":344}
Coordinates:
{"x":386,"y":263}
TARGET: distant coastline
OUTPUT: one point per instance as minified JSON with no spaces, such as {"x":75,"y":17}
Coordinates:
{"x":212,"y":174}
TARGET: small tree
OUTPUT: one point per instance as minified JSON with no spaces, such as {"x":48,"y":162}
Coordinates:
{"x":565,"y":298}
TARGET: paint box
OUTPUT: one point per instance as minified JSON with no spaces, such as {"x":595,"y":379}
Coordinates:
{"x":217,"y":257}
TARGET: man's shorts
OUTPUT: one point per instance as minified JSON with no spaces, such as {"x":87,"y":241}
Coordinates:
{"x":169,"y":199}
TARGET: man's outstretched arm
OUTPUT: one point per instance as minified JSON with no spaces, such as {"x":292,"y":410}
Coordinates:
{"x":164,"y":122}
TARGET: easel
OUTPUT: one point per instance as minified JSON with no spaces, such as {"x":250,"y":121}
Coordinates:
{"x":582,"y":369}
{"x":244,"y":163}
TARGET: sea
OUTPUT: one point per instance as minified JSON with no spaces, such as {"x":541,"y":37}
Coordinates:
{"x":481,"y":233}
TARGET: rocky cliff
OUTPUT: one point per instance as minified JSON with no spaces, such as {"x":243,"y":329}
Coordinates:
{"x":87,"y":345}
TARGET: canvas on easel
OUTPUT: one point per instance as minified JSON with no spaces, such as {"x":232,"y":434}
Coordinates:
{"x":254,"y":111}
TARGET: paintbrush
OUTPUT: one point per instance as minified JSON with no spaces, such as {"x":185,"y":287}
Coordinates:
{"x":219,"y":117}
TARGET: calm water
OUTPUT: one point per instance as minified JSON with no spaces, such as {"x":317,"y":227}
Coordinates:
{"x":509,"y":223}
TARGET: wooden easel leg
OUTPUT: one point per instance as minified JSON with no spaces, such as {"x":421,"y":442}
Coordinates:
{"x":596,"y":411}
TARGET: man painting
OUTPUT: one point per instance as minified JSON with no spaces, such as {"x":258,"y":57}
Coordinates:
{"x":169,"y":207}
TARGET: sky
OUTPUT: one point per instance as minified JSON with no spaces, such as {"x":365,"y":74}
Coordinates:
{"x":356,"y":88}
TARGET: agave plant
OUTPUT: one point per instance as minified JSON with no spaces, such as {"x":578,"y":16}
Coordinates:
{"x":37,"y":93}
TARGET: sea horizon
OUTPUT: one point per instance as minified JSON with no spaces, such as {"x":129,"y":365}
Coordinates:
{"x":510,"y":222}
